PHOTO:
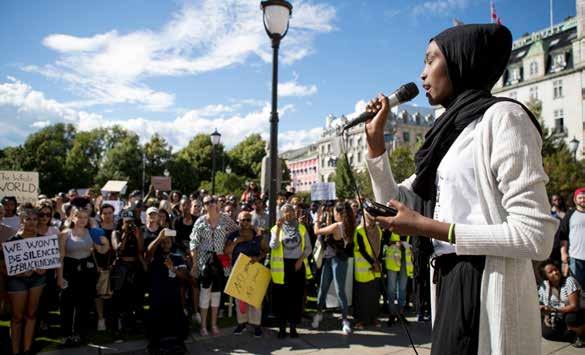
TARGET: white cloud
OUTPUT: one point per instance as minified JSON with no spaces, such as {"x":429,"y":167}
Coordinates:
{"x":110,"y":68}
{"x":440,"y":7}
{"x":293,"y":88}
{"x":34,"y":111}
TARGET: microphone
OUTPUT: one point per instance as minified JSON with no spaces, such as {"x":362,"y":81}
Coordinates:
{"x":404,"y":94}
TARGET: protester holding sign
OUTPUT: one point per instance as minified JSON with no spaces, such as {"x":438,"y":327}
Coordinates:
{"x":78,"y":275}
{"x":25,"y":289}
{"x":250,"y":242}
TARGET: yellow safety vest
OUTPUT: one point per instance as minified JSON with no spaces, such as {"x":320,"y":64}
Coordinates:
{"x":277,"y":258}
{"x":362,"y":268}
{"x":393,"y":256}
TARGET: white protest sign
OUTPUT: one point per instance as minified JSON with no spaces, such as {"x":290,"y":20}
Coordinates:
{"x":323,"y":191}
{"x":118,"y":205}
{"x":115,"y":186}
{"x":24,"y":185}
{"x":31,"y":253}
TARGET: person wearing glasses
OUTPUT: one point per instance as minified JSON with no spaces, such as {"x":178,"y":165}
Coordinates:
{"x":250,"y":242}
{"x":208,"y":240}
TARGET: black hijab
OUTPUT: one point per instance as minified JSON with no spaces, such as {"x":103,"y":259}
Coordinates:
{"x":476,"y":57}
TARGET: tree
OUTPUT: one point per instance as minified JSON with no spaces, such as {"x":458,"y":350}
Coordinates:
{"x":245,"y":158}
{"x":11,"y":158}
{"x":402,"y":163}
{"x":84,"y":159}
{"x":226,"y":184}
{"x":45,"y":151}
{"x":158,"y":153}
{"x":195,"y":163}
{"x":123,"y":162}
{"x":343,"y":184}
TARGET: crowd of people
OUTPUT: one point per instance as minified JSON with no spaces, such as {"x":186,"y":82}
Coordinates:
{"x":174,"y":252}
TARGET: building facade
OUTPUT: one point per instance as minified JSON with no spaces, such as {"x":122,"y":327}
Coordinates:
{"x":406,"y":126}
{"x":549,"y":66}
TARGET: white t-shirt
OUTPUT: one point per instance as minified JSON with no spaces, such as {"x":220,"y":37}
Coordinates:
{"x":577,"y":235}
{"x":13,"y":222}
{"x":457,"y":198}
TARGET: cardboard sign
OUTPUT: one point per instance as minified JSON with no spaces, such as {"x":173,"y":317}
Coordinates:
{"x":31,"y":253}
{"x":323,"y":191}
{"x":161,"y":183}
{"x":115,"y":186}
{"x":118,"y":206}
{"x":24,"y":185}
{"x":248,"y":282}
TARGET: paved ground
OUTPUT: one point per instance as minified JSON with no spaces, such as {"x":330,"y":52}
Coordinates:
{"x":328,"y":340}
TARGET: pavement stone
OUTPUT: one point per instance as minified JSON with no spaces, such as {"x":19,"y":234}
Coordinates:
{"x":328,"y":340}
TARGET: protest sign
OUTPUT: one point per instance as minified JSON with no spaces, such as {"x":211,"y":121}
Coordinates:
{"x":31,"y":253}
{"x":323,"y":191}
{"x":24,"y":185}
{"x":161,"y":183}
{"x":115,"y":186}
{"x":248,"y":282}
{"x":118,"y":205}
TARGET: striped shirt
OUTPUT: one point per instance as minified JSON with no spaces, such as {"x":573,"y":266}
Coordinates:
{"x":207,"y":241}
{"x":555,"y":299}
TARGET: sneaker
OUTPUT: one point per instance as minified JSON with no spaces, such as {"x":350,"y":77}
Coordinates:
{"x":420,"y":317}
{"x":239,"y":329}
{"x":579,"y":342}
{"x":101,"y":326}
{"x":215,"y":331}
{"x":317,"y":318}
{"x":346,"y":328}
{"x":257,"y":332}
{"x":196,"y":318}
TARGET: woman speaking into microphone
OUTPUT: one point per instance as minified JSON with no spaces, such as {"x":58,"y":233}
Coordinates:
{"x":478,"y":192}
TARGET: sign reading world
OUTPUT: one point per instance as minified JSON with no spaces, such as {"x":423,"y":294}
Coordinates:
{"x":24,"y":185}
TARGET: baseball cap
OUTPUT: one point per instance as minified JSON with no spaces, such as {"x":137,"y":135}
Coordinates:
{"x":151,"y":210}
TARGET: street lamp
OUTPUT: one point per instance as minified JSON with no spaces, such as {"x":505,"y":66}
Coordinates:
{"x":573,"y":146}
{"x":215,"y":138}
{"x":276,"y":18}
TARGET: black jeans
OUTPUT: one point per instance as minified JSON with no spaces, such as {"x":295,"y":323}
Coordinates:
{"x":77,"y":298}
{"x":288,"y":298}
{"x":456,"y":326}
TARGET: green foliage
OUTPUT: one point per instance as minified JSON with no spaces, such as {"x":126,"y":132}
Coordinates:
{"x":226,"y":184}
{"x":365,"y":184}
{"x":84,"y":158}
{"x":158,"y":154}
{"x":343,"y":184}
{"x":245,"y":158}
{"x":198,"y":154}
{"x":402,"y":163}
{"x":123,"y":162}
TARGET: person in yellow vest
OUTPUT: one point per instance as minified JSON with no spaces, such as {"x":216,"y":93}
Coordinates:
{"x":337,"y":237}
{"x":398,"y":262}
{"x":367,"y":272}
{"x":290,"y":246}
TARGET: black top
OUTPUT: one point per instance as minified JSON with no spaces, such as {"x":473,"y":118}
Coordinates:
{"x":164,"y":283}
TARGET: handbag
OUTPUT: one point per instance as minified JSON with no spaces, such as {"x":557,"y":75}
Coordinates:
{"x":318,"y":253}
{"x":103,"y":286}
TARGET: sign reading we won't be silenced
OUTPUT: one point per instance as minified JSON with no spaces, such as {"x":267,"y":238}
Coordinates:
{"x":31,"y":253}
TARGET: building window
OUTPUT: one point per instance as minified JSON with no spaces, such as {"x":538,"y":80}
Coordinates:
{"x":359,"y":157}
{"x":322,"y":149}
{"x":557,"y":89}
{"x":559,"y":62}
{"x":559,"y":121}
{"x":406,"y":136}
{"x":515,"y":77}
{"x":328,"y":148}
{"x":323,"y":163}
{"x":514,"y":95}
{"x":359,"y":142}
{"x":534,"y":93}
{"x":533,"y":68}
{"x":351,"y":160}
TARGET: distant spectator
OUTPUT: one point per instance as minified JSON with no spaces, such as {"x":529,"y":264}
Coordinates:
{"x":572,"y":236}
{"x":252,"y":192}
{"x":10,"y":215}
{"x":562,"y":304}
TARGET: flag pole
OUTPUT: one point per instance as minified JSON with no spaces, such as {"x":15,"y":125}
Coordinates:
{"x":551,"y":13}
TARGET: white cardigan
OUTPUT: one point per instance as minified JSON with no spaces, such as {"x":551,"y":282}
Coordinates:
{"x":511,"y":187}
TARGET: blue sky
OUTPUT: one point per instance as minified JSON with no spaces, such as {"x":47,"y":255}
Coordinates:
{"x":185,"y":67}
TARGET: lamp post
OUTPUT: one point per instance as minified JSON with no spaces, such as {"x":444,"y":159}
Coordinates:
{"x":215,"y":138}
{"x":573,"y":146}
{"x":276,"y":16}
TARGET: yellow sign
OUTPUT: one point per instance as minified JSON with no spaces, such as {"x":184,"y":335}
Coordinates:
{"x":248,"y":282}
